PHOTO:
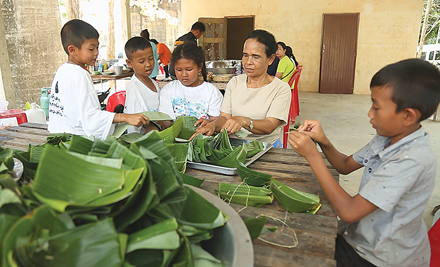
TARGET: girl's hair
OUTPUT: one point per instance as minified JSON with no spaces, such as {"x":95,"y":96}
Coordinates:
{"x":265,"y":38}
{"x":190,"y":51}
{"x":283,"y":45}
{"x":289,"y":53}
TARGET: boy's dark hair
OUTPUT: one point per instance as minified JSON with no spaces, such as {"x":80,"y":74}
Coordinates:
{"x":146,"y":34}
{"x":265,"y":38}
{"x":198,"y":26}
{"x":76,"y":32}
{"x":415,"y":83}
{"x":154,"y":41}
{"x":134,"y":44}
{"x":190,"y":51}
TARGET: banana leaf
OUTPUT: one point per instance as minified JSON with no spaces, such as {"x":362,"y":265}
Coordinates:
{"x":188,"y":128}
{"x":162,"y":235}
{"x":179,"y":152}
{"x":152,"y":116}
{"x":196,"y":235}
{"x":8,"y":197}
{"x":170,"y":133}
{"x":190,"y":180}
{"x":244,"y":189}
{"x":232,"y":160}
{"x":293,"y":200}
{"x":203,"y":259}
{"x":75,"y":247}
{"x":252,"y":177}
{"x":193,"y":211}
{"x":40,"y":219}
{"x":63,"y":179}
{"x":247,"y":200}
{"x":255,"y":226}
{"x":184,"y":256}
{"x":253,"y":147}
{"x":80,"y":144}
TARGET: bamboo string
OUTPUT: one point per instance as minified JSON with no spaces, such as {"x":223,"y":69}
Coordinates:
{"x":283,"y":222}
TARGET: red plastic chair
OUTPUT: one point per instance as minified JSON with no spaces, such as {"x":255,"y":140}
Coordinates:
{"x":115,"y":100}
{"x":294,"y":104}
{"x":434,"y":240}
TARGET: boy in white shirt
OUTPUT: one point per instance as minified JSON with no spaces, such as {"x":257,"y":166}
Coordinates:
{"x":142,"y":91}
{"x":74,"y":106}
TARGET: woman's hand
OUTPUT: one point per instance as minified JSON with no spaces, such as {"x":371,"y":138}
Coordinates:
{"x":302,"y":144}
{"x":208,"y":129}
{"x":314,"y":130}
{"x":235,"y":123}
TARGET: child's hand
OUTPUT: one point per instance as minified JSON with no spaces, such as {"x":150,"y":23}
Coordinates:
{"x":135,"y":119}
{"x":208,"y":130}
{"x":202,"y":122}
{"x":302,"y":144}
{"x":313,"y":129}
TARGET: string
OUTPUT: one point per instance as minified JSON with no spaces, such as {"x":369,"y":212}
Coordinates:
{"x":283,"y":223}
{"x":294,"y":237}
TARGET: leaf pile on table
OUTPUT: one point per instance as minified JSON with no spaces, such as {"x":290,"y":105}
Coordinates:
{"x":117,"y":202}
{"x":259,"y":189}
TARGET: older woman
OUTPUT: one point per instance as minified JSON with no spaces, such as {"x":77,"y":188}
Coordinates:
{"x":254,"y":102}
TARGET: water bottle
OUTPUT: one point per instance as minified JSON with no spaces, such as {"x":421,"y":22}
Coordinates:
{"x":100,"y":66}
{"x":35,"y":115}
{"x":44,"y":100}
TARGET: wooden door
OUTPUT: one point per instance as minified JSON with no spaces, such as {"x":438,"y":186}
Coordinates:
{"x":213,"y":40}
{"x":338,"y":53}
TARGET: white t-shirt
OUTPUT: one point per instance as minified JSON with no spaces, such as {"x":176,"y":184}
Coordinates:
{"x":74,"y":106}
{"x":140,"y":98}
{"x":202,"y":101}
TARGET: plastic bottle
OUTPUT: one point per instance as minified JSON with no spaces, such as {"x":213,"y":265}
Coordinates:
{"x":44,"y":100}
{"x":35,"y":115}
{"x":100,"y":66}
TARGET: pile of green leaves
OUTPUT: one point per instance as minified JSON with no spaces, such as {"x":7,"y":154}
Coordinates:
{"x":116,"y":202}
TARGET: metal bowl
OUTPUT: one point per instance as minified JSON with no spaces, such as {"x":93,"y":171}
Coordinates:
{"x":220,"y":70}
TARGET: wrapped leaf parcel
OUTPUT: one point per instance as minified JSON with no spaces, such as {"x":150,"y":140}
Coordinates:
{"x":104,"y":203}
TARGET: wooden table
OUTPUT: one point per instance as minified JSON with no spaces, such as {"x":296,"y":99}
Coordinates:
{"x":316,"y":233}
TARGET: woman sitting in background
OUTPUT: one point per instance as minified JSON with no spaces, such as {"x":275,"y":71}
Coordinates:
{"x":285,"y":67}
{"x":289,"y":53}
{"x":255,"y":102}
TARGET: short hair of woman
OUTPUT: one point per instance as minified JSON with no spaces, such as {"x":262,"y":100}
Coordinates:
{"x":76,"y":32}
{"x":265,"y":38}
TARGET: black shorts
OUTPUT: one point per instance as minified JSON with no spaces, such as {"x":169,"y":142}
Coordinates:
{"x":346,"y":256}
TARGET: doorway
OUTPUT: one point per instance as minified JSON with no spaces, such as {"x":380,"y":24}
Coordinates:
{"x":224,"y":37}
{"x":338,"y":53}
{"x":238,"y":29}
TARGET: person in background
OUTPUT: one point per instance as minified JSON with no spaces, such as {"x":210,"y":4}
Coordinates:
{"x":285,"y":67}
{"x":164,"y":56}
{"x":272,"y":68}
{"x":74,"y":106}
{"x":142,"y":92}
{"x":383,"y":224}
{"x":255,"y":102}
{"x":289,"y":53}
{"x":190,"y":95}
{"x":146,"y":35}
{"x":197,"y":30}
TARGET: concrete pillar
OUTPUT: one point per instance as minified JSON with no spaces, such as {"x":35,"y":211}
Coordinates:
{"x":32,"y":33}
{"x":6,"y":85}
